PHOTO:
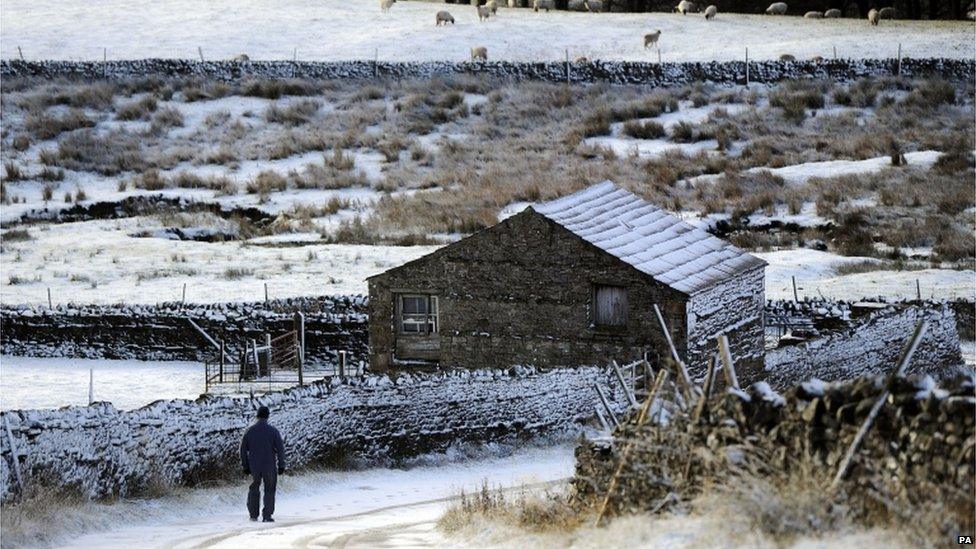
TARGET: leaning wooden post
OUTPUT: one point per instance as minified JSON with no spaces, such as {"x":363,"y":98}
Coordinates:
{"x":623,"y":384}
{"x":706,"y":390}
{"x":683,"y":378}
{"x":200,"y":51}
{"x":15,"y":458}
{"x":20,"y":52}
{"x":606,"y":404}
{"x":727,"y":365}
{"x":796,"y":296}
{"x":625,"y":451}
{"x":906,"y":358}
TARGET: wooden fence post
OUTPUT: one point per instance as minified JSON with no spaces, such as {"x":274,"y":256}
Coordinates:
{"x":220,"y":373}
{"x":183,"y":300}
{"x":728,"y":366}
{"x":265,"y":292}
{"x":747,"y":66}
{"x":683,"y":378}
{"x":623,"y":384}
{"x":899,"y":59}
{"x":918,"y":289}
{"x":606,"y":404}
{"x":200,"y":51}
{"x":91,"y":386}
{"x":50,"y":304}
{"x":15,"y":457}
{"x":21,"y":53}
{"x":567,"y":65}
{"x":342,"y":365}
{"x":796,"y":297}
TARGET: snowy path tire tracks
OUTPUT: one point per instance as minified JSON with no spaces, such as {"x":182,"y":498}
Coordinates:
{"x":342,"y":540}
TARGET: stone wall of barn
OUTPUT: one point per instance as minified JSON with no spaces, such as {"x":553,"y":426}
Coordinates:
{"x":99,"y":451}
{"x":520,"y":293}
{"x":733,"y":307}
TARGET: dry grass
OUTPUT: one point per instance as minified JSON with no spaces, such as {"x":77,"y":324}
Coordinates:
{"x":44,"y":125}
{"x":141,"y":109}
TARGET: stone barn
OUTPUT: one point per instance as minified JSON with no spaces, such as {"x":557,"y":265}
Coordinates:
{"x":569,"y":282}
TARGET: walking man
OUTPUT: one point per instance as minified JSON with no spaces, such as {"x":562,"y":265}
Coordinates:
{"x":261,"y":451}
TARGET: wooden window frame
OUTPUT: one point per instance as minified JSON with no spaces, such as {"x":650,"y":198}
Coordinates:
{"x":427,"y":323}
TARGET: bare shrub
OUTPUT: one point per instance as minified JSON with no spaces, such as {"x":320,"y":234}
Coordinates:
{"x":295,"y":114}
{"x":168,"y":117}
{"x":235,"y":273}
{"x":339,"y":160}
{"x":267,"y":182}
{"x":47,"y":126}
{"x":683,"y":132}
{"x":644,"y":130}
{"x":278,"y":88}
{"x":596,"y":124}
{"x":12,"y":172}
{"x":141,"y":109}
{"x":107,"y":154}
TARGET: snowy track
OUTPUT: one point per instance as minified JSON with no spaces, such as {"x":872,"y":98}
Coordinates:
{"x":329,"y":30}
{"x":376,"y":507}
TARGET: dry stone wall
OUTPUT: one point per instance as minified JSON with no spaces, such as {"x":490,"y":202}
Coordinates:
{"x":617,"y":72}
{"x":161,"y":332}
{"x":870,"y":347}
{"x":100,"y":451}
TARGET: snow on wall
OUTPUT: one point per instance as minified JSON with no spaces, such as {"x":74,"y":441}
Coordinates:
{"x":161,"y":332}
{"x":871,"y":347}
{"x":101,"y":451}
{"x":618,"y":72}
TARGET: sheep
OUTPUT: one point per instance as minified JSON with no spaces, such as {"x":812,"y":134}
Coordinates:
{"x":711,"y":12}
{"x":483,"y":13}
{"x":887,"y":13}
{"x":443,"y":17}
{"x":813,"y":15}
{"x":479,"y":53}
{"x":873,"y":17}
{"x":787,"y":57}
{"x":542,"y":5}
{"x":652,"y":38}
{"x":242,"y":58}
{"x":492,"y":6}
{"x":581,"y":59}
{"x":776,"y":8}
{"x":817,"y":59}
{"x":971,"y":15}
{"x":685,"y":6}
{"x":385,"y":5}
{"x":833,"y":14}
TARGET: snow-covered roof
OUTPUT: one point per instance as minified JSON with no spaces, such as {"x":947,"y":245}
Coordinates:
{"x":673,"y":252}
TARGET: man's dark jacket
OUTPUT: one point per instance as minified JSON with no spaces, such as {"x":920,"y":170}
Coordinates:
{"x":259,"y":447}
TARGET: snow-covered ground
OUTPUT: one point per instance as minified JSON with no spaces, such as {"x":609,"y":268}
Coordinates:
{"x":343,"y":29}
{"x":816,"y":276}
{"x":28,"y":383}
{"x":371,"y":508}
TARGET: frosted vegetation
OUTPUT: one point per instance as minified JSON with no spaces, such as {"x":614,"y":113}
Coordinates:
{"x":312,"y":185}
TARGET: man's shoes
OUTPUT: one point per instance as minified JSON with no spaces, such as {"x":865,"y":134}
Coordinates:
{"x":254,"y":519}
{"x":267,"y":519}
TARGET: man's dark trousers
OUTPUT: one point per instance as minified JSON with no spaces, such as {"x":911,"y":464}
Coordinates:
{"x":270,"y":480}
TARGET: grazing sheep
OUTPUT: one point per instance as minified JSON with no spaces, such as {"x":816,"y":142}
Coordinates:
{"x":652,"y":38}
{"x":581,"y":59}
{"x":888,"y":13}
{"x":873,"y":17}
{"x":833,"y":14}
{"x":241,"y":58}
{"x":479,"y":53}
{"x":685,"y":6}
{"x":813,"y":15}
{"x":817,"y":58}
{"x":542,"y":5}
{"x":443,"y":17}
{"x":385,"y":5}
{"x":483,"y":13}
{"x":787,"y":57}
{"x":711,"y":12}
{"x":776,"y":8}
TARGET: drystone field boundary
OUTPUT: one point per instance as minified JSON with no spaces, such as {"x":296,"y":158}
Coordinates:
{"x":614,"y":72}
{"x":871,"y":347}
{"x":161,"y":332}
{"x":100,"y":451}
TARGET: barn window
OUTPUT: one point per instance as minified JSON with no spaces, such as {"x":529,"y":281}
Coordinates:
{"x":610,"y":306}
{"x":418,"y":314}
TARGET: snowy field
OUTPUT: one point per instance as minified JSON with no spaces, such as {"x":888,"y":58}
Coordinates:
{"x":371,"y":508}
{"x":38,"y":383}
{"x":342,"y":30}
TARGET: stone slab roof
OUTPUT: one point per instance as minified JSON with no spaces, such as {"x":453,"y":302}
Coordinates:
{"x":673,"y":252}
